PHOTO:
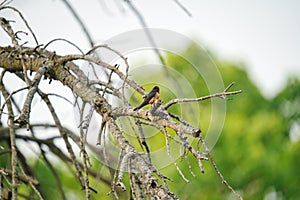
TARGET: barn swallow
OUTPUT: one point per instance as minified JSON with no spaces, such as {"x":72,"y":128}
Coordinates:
{"x":150,"y":98}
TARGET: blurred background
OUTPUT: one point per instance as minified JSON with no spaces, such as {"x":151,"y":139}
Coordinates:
{"x":255,"y":44}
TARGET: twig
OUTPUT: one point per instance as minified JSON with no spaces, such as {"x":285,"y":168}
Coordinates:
{"x":59,"y":96}
{"x":95,"y":60}
{"x":23,"y":19}
{"x":8,"y":29}
{"x":171,"y":157}
{"x":108,"y":81}
{"x":146,"y":30}
{"x":14,"y":160}
{"x":144,"y":142}
{"x":64,"y":40}
{"x":142,"y":165}
{"x":116,"y":66}
{"x":84,"y":156}
{"x":21,"y":177}
{"x":82,"y":25}
{"x":192,"y":150}
{"x":114,"y":182}
{"x":221,"y":95}
{"x":56,"y":176}
{"x":5,"y":2}
{"x":211,"y":160}
{"x":64,"y":136}
{"x":183,"y":8}
{"x":123,"y":167}
{"x":24,"y":116}
{"x":101,"y":130}
{"x":33,"y":186}
{"x":190,"y":166}
{"x":10,"y":97}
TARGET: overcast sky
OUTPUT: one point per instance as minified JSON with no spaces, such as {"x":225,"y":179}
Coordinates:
{"x":263,"y":34}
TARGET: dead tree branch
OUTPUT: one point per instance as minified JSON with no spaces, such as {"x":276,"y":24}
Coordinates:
{"x":220,"y":95}
{"x":145,"y":180}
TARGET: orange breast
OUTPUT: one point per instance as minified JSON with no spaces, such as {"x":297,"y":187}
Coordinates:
{"x":154,"y":98}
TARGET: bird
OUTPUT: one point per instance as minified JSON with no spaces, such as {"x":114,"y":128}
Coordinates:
{"x":150,"y":98}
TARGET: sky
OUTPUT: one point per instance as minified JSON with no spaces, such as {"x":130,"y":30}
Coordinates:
{"x":261,"y":34}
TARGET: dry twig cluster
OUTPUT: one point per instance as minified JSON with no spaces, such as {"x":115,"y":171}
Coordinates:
{"x":145,"y":180}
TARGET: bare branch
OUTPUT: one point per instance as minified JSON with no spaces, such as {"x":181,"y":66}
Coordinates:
{"x":183,"y":8}
{"x":82,"y":25}
{"x":24,"y":116}
{"x":145,"y":28}
{"x":14,"y":161}
{"x":64,"y":40}
{"x":21,"y":177}
{"x":218,"y":171}
{"x":23,"y":19}
{"x":160,"y":117}
{"x":220,"y":95}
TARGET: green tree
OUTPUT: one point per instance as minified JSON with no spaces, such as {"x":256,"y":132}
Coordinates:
{"x":255,"y":150}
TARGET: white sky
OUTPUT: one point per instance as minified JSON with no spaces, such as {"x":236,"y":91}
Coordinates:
{"x":263,"y":34}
